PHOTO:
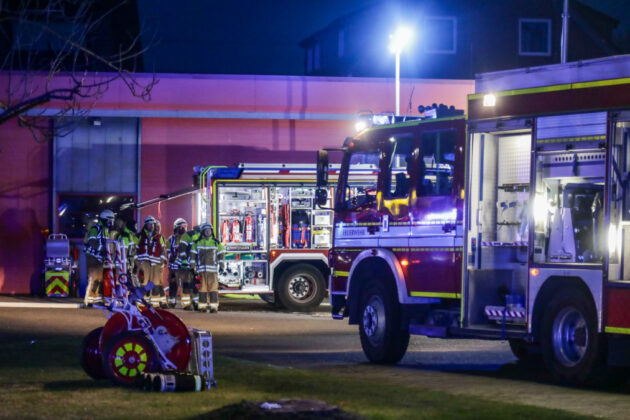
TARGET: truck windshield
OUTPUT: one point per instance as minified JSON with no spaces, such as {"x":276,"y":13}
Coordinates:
{"x":361,"y":181}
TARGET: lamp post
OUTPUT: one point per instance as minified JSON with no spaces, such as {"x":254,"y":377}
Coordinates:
{"x":397,"y":42}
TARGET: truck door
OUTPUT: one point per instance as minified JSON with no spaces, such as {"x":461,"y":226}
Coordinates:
{"x":435,"y":240}
{"x":358,"y":222}
{"x":394,"y":200}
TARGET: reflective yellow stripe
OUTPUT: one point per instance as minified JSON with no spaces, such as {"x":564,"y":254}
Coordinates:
{"x":428,"y":249}
{"x":341,"y":273}
{"x":437,"y":295}
{"x":566,"y":86}
{"x":617,"y":330}
{"x":571,"y":139}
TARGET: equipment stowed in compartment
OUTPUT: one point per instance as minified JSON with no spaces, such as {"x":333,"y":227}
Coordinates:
{"x":300,"y":229}
{"x":284,"y":232}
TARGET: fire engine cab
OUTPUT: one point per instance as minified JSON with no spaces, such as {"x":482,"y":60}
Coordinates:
{"x":512,"y":225}
{"x":275,"y":241}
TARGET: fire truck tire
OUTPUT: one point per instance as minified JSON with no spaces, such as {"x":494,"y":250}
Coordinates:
{"x":301,"y":288}
{"x":382,"y":339}
{"x":127,"y":356}
{"x":572,"y":348}
{"x":524,"y":351}
{"x":91,"y":355}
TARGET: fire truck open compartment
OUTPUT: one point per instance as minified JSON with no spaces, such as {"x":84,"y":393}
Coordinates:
{"x":562,"y":197}
{"x":253,"y":220}
{"x":242,"y":221}
{"x":568,"y":204}
{"x":496,"y":277}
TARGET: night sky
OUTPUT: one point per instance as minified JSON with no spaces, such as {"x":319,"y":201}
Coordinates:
{"x":235,"y":36}
{"x":254,"y":36}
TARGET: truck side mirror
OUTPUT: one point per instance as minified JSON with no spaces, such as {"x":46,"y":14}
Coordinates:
{"x":321,"y":197}
{"x":322,"y":169}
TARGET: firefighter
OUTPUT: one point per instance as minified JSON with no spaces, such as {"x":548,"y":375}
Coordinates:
{"x":96,"y":250}
{"x":179,"y":229}
{"x":129,"y":241}
{"x":206,"y":251}
{"x":158,"y":297}
{"x":151,"y":254}
{"x":185,"y":275}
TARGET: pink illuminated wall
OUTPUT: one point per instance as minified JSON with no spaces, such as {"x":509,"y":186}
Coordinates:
{"x":24,"y":208}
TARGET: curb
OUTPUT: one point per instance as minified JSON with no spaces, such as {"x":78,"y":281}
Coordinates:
{"x":40,"y":305}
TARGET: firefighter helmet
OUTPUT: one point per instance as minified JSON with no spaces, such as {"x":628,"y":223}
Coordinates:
{"x":149,"y":219}
{"x":205,"y":226}
{"x":179,"y":222}
{"x":107,"y":215}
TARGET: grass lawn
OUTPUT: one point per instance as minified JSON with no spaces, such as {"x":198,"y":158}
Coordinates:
{"x":44,"y":380}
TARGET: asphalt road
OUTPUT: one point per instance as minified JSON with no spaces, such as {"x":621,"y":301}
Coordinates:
{"x":251,"y":329}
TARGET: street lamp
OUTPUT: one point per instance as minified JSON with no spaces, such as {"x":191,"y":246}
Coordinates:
{"x":397,"y":42}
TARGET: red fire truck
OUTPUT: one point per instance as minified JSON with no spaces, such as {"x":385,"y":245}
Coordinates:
{"x":513,"y":224}
{"x":275,"y":240}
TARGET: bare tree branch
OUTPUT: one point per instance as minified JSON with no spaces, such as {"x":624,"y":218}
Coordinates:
{"x":52,"y":50}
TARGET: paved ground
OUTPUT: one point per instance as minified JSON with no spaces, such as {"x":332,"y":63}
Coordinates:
{"x":253,"y":330}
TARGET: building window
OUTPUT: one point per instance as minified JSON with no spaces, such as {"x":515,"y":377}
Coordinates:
{"x":316,"y":57}
{"x":534,"y":36}
{"x":340,"y":42}
{"x":440,"y":35}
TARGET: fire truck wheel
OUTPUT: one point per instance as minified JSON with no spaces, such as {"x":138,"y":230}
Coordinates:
{"x":524,"y":351}
{"x":382,"y":339}
{"x":91,"y":355}
{"x":571,"y":345}
{"x":301,"y":288}
{"x":127,"y":356}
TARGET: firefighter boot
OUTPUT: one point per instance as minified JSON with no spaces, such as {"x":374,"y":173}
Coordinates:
{"x":97,"y":292}
{"x":186,"y":303}
{"x":214,"y":302}
{"x":203,"y":301}
{"x":165,"y":298}
{"x":155,"y":296}
{"x":172,"y":295}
